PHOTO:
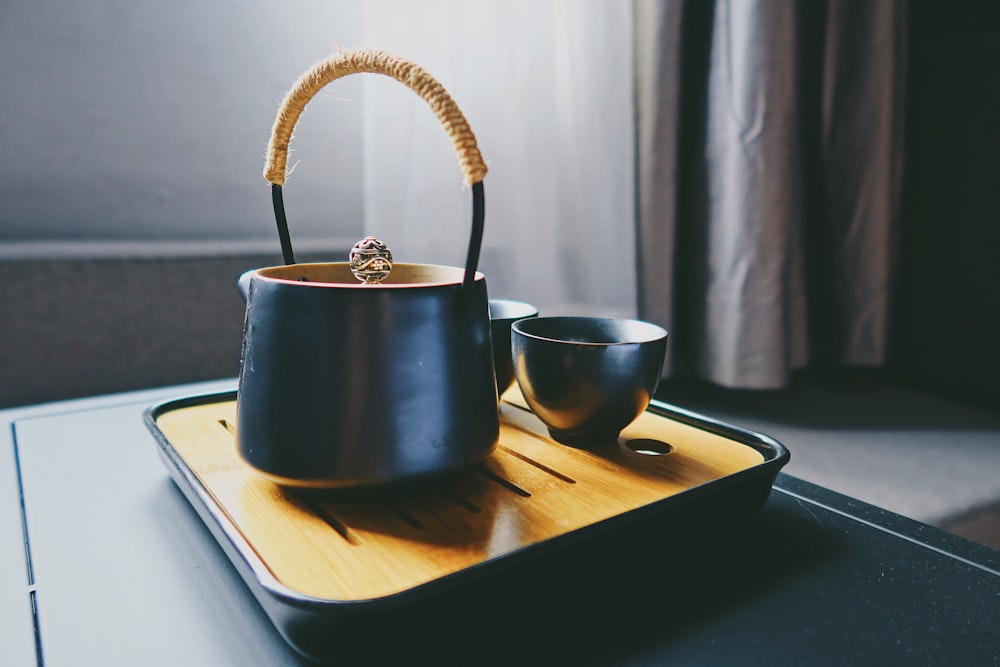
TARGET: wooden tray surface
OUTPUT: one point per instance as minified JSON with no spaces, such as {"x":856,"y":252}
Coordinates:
{"x":531,"y":489}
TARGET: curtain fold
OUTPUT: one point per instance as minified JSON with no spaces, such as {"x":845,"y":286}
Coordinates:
{"x":863,"y":106}
{"x":769,"y":153}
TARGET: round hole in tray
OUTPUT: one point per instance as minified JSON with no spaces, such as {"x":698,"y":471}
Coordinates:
{"x":649,"y":447}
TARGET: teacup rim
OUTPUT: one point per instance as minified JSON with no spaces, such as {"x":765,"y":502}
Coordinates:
{"x":656,"y":332}
{"x":522,"y":309}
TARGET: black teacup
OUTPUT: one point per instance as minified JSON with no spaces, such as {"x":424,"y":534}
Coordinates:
{"x":587,"y":378}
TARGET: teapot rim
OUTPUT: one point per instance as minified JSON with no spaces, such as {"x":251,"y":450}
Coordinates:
{"x":404,"y":275}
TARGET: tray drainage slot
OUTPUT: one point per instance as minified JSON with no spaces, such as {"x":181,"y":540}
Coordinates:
{"x":539,"y":465}
{"x":328,"y":517}
{"x":228,"y":426}
{"x":463,"y":502}
{"x":411,"y":521}
{"x":510,"y":486}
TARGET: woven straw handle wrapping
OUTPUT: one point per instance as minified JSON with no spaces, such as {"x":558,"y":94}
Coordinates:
{"x":374,"y":62}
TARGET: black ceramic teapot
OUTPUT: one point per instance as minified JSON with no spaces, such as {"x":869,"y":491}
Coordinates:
{"x":366,"y":372}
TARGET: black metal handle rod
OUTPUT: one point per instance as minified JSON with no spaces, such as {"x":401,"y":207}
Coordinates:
{"x":279,"y":218}
{"x":476,"y":238}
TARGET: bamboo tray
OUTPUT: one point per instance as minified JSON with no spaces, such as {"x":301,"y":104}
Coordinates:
{"x":325,"y":566}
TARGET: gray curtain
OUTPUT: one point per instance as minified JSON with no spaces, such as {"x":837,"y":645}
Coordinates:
{"x":769,"y":164}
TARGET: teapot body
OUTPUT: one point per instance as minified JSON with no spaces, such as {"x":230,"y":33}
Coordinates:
{"x":346,"y":385}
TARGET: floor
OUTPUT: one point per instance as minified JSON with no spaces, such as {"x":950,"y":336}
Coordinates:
{"x":925,"y":457}
{"x":981,"y":525}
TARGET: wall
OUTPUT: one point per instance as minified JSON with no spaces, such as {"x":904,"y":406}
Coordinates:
{"x":82,"y":326}
{"x":131,"y":194}
{"x":148,"y":120}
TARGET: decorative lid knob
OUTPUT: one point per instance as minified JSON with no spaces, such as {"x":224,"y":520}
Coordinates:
{"x":370,"y":260}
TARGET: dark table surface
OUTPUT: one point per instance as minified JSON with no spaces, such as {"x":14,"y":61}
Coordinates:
{"x":123,"y":571}
{"x":813,"y":577}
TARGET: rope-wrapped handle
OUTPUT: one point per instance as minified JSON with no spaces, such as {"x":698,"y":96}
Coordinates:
{"x":418,"y":80}
{"x":372,"y":62}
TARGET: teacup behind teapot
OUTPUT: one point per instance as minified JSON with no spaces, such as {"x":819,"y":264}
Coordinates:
{"x":346,"y":383}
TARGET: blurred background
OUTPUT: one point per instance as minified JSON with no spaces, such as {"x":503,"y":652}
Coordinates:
{"x":784,"y":186}
{"x":136,"y":131}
